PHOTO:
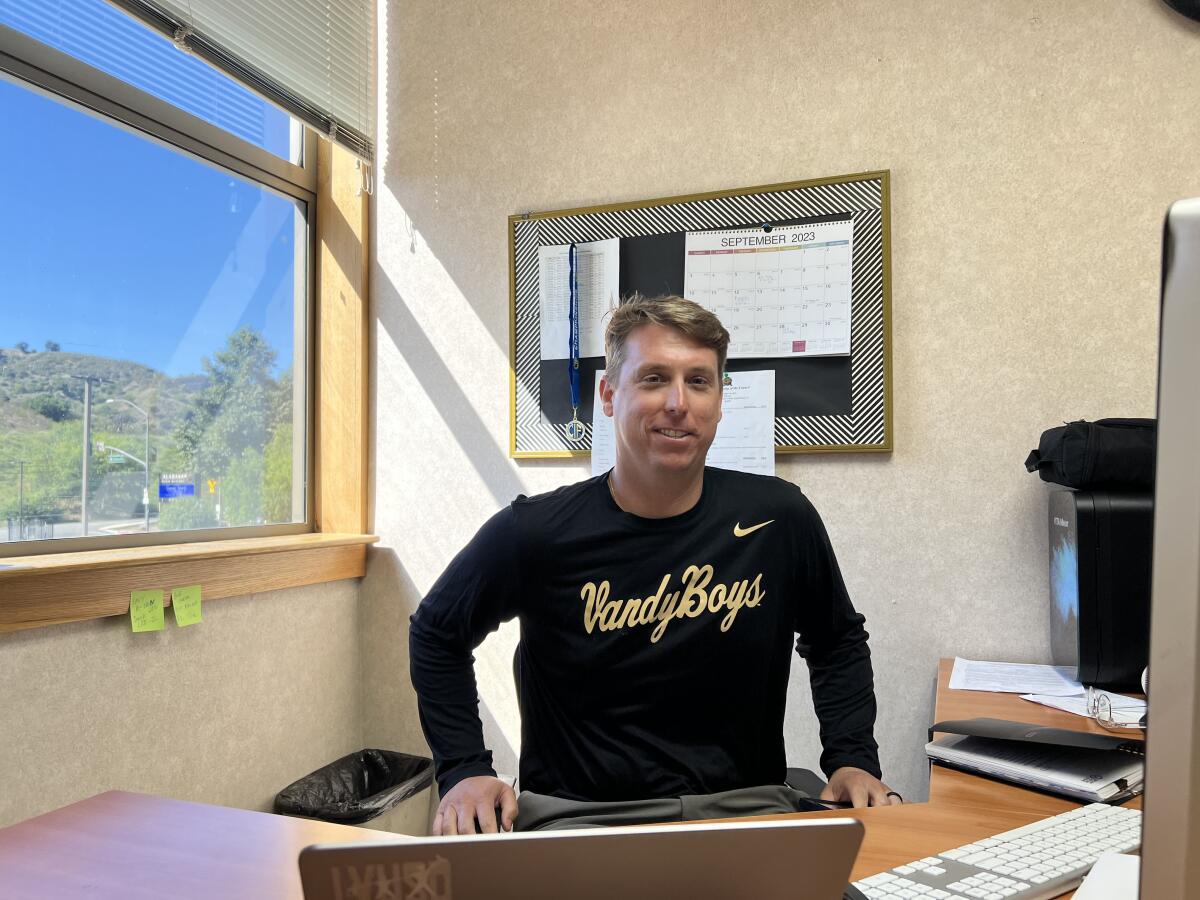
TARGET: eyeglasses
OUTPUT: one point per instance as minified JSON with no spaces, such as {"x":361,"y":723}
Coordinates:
{"x":1115,"y":712}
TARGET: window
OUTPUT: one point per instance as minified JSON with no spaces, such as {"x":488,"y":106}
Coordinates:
{"x":155,"y":285}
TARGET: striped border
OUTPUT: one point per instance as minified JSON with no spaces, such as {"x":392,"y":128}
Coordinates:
{"x":868,"y":427}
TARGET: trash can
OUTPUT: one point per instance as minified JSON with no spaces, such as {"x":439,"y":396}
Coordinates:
{"x":379,"y":789}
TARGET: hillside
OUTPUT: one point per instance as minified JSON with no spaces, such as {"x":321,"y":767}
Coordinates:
{"x":232,"y":427}
{"x":37,"y":389}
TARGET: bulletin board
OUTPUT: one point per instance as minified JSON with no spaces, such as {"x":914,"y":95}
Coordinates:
{"x":837,"y":403}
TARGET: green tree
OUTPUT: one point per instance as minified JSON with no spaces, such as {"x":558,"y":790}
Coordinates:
{"x":56,"y":409}
{"x":186,"y":512}
{"x":281,"y":402}
{"x":233,"y":412}
{"x":53,"y":346}
{"x":51,"y":470}
{"x":277,"y":476}
{"x":242,"y":489}
{"x":238,"y":430}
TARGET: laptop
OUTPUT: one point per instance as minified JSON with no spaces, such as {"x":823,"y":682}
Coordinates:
{"x":773,"y":860}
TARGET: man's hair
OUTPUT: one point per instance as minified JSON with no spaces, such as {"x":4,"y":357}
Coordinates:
{"x":671,"y":311}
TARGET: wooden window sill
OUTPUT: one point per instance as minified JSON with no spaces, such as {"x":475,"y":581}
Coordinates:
{"x":70,"y":587}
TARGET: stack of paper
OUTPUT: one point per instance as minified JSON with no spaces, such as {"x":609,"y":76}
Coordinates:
{"x":1050,"y":686}
{"x":1013,"y":678}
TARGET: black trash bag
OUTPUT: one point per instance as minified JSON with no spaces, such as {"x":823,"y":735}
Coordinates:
{"x":356,"y":788}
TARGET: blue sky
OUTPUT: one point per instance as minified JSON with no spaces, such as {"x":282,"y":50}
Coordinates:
{"x":113,"y":245}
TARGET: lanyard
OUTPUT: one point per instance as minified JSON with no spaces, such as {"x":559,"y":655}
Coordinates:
{"x":574,"y":427}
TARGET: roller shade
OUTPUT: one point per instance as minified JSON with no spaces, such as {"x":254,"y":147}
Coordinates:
{"x":313,"y":58}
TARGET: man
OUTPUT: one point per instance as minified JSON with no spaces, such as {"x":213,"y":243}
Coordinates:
{"x":658,"y":606}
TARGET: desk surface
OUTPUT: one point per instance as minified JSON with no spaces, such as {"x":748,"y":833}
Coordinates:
{"x":139,"y":847}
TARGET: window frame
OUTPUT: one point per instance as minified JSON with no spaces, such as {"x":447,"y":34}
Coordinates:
{"x":331,"y":542}
{"x":61,"y":74}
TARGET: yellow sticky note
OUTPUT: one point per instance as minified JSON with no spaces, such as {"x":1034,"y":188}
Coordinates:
{"x":186,"y":603}
{"x":146,"y":610}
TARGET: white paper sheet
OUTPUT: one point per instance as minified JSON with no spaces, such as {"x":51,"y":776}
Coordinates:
{"x":604,"y":442}
{"x":599,"y":276}
{"x":783,"y":292}
{"x":1012,"y":678}
{"x":745,"y":440}
{"x":1113,"y":877}
{"x":1125,"y":710}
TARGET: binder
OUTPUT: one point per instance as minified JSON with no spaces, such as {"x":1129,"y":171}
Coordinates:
{"x":1096,"y":768}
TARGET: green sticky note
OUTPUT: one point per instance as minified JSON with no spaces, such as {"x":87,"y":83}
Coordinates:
{"x":186,"y":603}
{"x":146,"y":610}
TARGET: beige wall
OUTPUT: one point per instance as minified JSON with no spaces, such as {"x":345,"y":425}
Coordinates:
{"x":1034,"y":148}
{"x":263,"y":691}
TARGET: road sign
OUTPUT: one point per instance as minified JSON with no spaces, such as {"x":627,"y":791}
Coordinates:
{"x":116,"y":458}
{"x":212,"y":485}
{"x":172,"y":486}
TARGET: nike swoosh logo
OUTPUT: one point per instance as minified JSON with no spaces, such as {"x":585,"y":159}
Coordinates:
{"x":739,"y":531}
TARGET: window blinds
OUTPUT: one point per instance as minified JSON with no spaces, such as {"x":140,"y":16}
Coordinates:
{"x":313,"y":58}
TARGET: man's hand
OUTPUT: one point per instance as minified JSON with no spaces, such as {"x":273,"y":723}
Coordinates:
{"x":474,"y":798}
{"x":859,"y":788}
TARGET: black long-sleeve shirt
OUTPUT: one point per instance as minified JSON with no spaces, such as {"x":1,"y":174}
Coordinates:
{"x":654,"y":653}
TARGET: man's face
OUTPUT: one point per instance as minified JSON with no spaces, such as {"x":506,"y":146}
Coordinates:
{"x":666,"y":403}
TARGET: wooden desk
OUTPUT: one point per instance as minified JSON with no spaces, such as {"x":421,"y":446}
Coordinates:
{"x":122,"y":846}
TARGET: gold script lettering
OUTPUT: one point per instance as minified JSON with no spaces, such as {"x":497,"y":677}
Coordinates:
{"x":629,"y":613}
{"x":593,"y":597}
{"x":666,"y":612}
{"x":695,"y":598}
{"x":660,"y":608}
{"x":716,"y":598}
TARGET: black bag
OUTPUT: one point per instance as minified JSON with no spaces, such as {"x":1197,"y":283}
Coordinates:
{"x":1112,"y":453}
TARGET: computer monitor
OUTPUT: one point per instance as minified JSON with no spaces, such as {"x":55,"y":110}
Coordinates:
{"x":1171,"y":824}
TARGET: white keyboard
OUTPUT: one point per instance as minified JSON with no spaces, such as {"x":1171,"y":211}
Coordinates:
{"x":1037,"y":861}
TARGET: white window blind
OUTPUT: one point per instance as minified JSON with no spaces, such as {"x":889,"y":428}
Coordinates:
{"x":314,"y":58}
